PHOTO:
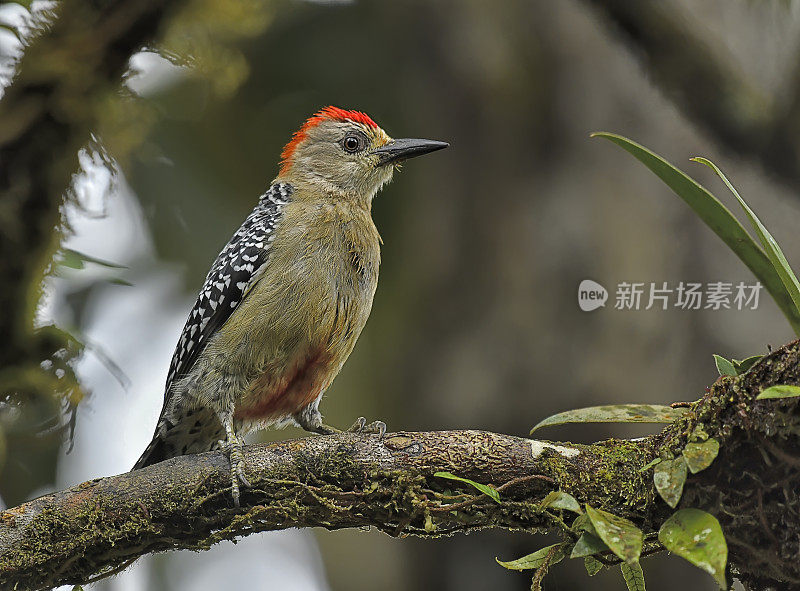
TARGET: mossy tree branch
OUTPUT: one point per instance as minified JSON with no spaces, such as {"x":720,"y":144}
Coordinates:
{"x":348,"y":480}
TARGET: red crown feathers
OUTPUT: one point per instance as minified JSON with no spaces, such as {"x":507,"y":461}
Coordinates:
{"x":331,"y":112}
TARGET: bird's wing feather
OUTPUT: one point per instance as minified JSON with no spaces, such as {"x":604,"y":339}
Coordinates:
{"x":236,"y":270}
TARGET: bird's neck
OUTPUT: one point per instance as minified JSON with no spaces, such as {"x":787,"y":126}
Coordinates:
{"x":311,"y":187}
{"x":332,"y":223}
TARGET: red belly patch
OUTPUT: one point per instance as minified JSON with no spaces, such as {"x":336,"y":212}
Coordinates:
{"x":280,"y":397}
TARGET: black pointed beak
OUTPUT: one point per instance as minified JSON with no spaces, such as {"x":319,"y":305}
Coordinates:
{"x":403,"y":149}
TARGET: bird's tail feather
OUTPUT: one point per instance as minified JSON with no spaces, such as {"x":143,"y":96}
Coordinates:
{"x":156,"y":450}
{"x":194,"y":431}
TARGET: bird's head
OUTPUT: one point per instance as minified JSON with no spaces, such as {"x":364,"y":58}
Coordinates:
{"x":346,"y":153}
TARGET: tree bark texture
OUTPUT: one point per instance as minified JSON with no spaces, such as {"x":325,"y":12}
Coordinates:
{"x":348,"y":480}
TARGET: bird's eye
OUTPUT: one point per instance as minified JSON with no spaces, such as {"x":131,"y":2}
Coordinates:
{"x":353,"y":143}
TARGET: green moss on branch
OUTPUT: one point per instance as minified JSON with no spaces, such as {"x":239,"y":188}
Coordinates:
{"x":347,"y":480}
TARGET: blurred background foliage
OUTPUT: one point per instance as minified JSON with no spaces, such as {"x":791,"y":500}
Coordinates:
{"x":475,"y":323}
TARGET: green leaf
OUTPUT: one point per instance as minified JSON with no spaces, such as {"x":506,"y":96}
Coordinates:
{"x":650,"y":464}
{"x":77,"y":260}
{"x":699,"y":456}
{"x":536,"y":560}
{"x":71,"y":259}
{"x":669,"y":477}
{"x":721,"y":221}
{"x":780,"y":391}
{"x":587,"y":545}
{"x":622,"y":537}
{"x":724,"y":367}
{"x":617,"y":413}
{"x":633,"y":575}
{"x":774,"y":252}
{"x":697,"y":536}
{"x":487,"y":490}
{"x":583,"y":523}
{"x":746,"y":364}
{"x":592,"y":565}
{"x":560,"y":500}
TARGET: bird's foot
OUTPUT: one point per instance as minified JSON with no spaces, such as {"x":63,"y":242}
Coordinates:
{"x":374,"y":428}
{"x":323,"y":429}
{"x":310,"y":419}
{"x":233,"y":447}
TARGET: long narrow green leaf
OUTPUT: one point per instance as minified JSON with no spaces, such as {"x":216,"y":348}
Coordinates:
{"x":779,"y":391}
{"x":633,"y":575}
{"x":537,"y":559}
{"x":717,"y":217}
{"x":614,"y":413}
{"x":487,"y":490}
{"x":769,"y":243}
{"x":77,"y":260}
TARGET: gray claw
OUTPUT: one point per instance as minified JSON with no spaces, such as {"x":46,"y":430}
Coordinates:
{"x":374,"y":428}
{"x":358,"y":426}
{"x":233,"y":447}
{"x":241,"y":475}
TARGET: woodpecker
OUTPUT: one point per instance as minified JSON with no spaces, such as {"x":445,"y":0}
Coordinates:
{"x":286,"y":299}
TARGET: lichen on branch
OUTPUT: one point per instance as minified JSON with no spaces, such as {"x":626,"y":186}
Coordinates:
{"x":348,"y":480}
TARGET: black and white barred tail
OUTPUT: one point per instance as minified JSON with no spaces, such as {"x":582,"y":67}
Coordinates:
{"x":196,"y":431}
